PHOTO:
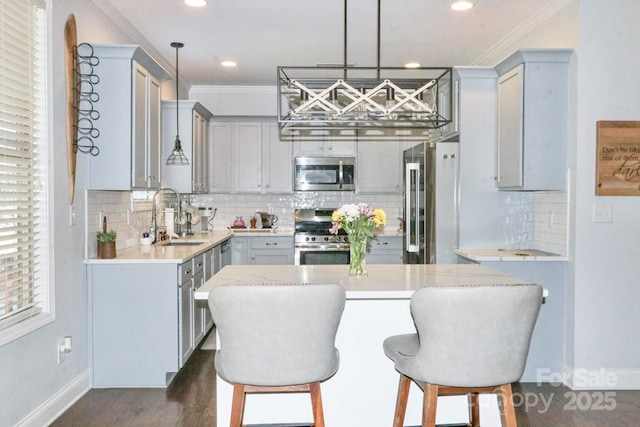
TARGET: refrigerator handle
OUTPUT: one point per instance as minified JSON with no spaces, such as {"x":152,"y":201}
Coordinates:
{"x":340,"y":173}
{"x":412,"y":167}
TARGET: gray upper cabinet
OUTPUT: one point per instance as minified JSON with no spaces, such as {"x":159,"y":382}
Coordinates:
{"x":195,"y":141}
{"x":532,"y":120}
{"x":220,"y":158}
{"x":260,"y":161}
{"x":129,"y":123}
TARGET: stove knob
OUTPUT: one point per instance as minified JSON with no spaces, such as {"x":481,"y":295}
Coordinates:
{"x":326,"y":239}
{"x":313,"y":239}
{"x":306,"y":239}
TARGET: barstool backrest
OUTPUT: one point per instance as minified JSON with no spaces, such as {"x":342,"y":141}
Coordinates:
{"x":277,"y":334}
{"x":473,"y":336}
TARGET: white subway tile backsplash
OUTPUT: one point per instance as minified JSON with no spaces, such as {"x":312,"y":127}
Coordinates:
{"x":550,"y":221}
{"x":532,"y":220}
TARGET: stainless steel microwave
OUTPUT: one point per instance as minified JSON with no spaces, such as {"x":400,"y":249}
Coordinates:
{"x":324,"y":173}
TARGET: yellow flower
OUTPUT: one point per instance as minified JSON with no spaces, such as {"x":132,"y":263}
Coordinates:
{"x":379,"y":217}
{"x":335,"y":217}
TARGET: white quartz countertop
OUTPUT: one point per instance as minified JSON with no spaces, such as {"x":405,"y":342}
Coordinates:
{"x":509,"y":255}
{"x":397,"y":281}
{"x":161,"y":253}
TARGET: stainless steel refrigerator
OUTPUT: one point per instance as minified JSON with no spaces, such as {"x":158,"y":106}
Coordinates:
{"x":430,"y":203}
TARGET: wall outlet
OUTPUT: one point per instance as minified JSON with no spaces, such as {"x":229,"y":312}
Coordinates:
{"x":64,"y":347}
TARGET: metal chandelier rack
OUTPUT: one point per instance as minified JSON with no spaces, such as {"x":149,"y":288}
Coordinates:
{"x":417,"y":99}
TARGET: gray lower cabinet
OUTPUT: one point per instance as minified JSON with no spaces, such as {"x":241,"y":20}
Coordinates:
{"x":144,"y":322}
{"x":385,"y":250}
{"x":259,"y":250}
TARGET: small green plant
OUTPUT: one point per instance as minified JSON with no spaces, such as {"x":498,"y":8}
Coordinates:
{"x":106,"y":236}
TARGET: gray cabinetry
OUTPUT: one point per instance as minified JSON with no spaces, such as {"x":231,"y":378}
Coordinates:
{"x":129,"y":123}
{"x":262,"y":250}
{"x":195,"y":141}
{"x":385,"y":250}
{"x":532,"y":120}
{"x":220,"y":158}
{"x":325,"y":142}
{"x":379,"y":162}
{"x":260,"y":161}
{"x":144,"y":322}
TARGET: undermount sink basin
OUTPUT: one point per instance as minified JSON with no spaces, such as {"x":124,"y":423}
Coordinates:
{"x":183,"y":243}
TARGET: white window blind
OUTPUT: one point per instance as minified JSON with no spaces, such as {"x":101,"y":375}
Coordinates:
{"x":23,"y":161}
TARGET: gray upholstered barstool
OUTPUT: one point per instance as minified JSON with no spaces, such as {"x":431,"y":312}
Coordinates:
{"x":276,"y":338}
{"x":470,"y":340}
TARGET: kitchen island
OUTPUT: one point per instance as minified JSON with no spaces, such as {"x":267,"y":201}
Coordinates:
{"x":363,"y":391}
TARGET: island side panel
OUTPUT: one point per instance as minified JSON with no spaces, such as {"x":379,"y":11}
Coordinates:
{"x":133,"y":324}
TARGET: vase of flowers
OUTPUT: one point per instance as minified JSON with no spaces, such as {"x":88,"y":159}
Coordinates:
{"x":359,"y":222}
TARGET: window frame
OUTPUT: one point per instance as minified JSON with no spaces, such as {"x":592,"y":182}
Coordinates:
{"x":46,"y":316}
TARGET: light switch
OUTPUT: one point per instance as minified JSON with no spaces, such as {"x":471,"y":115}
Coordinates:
{"x":602,"y":212}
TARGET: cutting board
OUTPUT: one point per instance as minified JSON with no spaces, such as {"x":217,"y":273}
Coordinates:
{"x":73,"y":98}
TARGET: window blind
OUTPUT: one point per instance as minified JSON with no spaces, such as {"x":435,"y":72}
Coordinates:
{"x":23,"y":213}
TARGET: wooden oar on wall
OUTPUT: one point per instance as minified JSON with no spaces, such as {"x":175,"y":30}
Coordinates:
{"x":73,"y":97}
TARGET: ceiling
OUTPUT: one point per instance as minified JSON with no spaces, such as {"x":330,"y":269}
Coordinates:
{"x":262,"y":34}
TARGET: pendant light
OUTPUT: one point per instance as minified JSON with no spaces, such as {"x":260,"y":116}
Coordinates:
{"x":177,"y":156}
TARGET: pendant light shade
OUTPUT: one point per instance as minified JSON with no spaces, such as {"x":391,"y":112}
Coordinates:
{"x":177,"y":156}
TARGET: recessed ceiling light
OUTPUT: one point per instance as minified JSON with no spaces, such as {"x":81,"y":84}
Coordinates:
{"x":412,"y":65}
{"x":228,"y":63}
{"x":462,"y":5}
{"x":195,"y":3}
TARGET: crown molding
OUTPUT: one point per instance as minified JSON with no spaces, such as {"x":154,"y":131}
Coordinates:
{"x":521,"y":30}
{"x":120,"y":21}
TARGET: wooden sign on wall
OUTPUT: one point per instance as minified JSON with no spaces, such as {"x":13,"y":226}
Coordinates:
{"x":618,"y":158}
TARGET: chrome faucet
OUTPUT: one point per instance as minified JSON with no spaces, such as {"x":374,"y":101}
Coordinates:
{"x":153,"y":228}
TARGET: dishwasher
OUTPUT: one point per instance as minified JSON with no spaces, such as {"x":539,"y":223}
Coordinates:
{"x":225,"y":251}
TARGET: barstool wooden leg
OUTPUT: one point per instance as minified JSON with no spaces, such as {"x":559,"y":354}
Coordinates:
{"x":401,"y":401}
{"x":430,"y":405}
{"x":237,"y":406}
{"x":316,"y":404}
{"x":507,"y":411}
{"x":474,"y":409}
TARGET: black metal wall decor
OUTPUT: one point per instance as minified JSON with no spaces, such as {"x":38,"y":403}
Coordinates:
{"x":86,"y":80}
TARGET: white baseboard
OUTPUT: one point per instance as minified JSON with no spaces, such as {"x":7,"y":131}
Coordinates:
{"x":47,"y":413}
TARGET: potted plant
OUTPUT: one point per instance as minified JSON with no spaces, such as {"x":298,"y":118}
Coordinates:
{"x":106,"y":242}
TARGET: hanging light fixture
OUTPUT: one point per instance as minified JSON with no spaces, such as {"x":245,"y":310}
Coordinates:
{"x":350,"y":97}
{"x":177,"y":156}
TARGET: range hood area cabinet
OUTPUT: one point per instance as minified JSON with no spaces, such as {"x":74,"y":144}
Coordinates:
{"x":379,"y":163}
{"x":250,"y":157}
{"x":532,"y":120}
{"x":325,"y":142}
{"x":129,"y":122}
{"x":195,"y":139}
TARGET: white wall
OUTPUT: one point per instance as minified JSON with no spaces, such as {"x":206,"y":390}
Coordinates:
{"x":605,"y":255}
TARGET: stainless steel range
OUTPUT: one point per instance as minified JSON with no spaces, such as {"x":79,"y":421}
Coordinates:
{"x":314,"y":244}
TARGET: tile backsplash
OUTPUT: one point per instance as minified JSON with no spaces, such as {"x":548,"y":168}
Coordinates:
{"x":550,"y":221}
{"x":131,"y":218}
{"x":534,"y":220}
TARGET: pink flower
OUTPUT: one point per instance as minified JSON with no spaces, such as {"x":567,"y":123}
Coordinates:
{"x":334,"y":228}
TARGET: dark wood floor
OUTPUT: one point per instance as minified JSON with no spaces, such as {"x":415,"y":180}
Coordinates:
{"x":190,"y":402}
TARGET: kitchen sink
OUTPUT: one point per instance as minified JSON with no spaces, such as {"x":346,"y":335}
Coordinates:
{"x":183,"y":243}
